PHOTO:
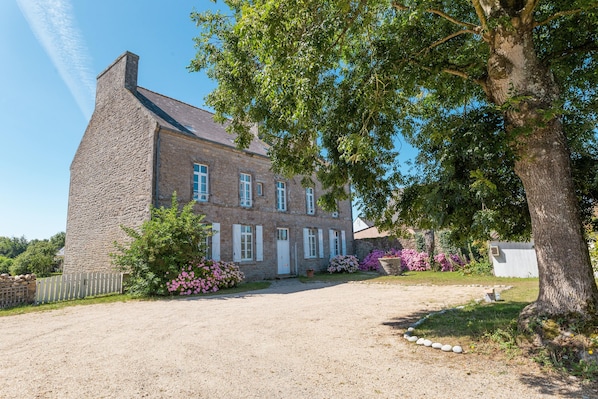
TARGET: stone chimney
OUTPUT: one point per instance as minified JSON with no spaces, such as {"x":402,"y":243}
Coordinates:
{"x":122,"y":73}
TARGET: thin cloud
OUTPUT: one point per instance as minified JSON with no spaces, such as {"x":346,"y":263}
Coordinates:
{"x":54,"y":25}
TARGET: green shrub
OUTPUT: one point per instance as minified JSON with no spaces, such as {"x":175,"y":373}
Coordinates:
{"x":39,"y":258}
{"x":478,"y":267}
{"x":170,"y":240}
{"x":5,"y":264}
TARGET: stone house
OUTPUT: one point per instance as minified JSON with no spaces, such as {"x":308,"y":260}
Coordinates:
{"x":141,"y":146}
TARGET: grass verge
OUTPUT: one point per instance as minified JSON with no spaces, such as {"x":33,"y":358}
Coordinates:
{"x":489,"y":329}
{"x":244,"y":287}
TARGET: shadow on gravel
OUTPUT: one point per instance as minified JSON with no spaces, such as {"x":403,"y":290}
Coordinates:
{"x":403,"y":323}
{"x":490,"y":320}
{"x":277,"y":287}
{"x":553,"y":386}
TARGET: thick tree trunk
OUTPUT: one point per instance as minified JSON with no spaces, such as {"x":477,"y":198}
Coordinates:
{"x":567,"y":286}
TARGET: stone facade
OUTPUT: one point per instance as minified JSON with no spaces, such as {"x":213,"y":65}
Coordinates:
{"x":140,"y":147}
{"x":111,"y":173}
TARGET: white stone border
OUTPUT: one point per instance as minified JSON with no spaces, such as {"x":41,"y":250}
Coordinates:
{"x":410,"y":337}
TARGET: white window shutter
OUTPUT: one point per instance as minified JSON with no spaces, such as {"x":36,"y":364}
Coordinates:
{"x":305,"y":243}
{"x":216,"y":241}
{"x":321,"y":243}
{"x":343,"y":242}
{"x":331,"y":242}
{"x":259,"y":244}
{"x":236,"y":243}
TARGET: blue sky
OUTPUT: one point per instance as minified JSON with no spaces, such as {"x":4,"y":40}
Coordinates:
{"x":52,"y":52}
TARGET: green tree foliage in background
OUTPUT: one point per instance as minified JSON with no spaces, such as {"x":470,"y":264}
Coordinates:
{"x":5,"y":264}
{"x":499,"y":96}
{"x":171,"y":239}
{"x":19,"y":256}
{"x":38,"y":258}
{"x":11,"y":247}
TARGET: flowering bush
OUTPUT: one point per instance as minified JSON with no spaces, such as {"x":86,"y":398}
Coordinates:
{"x":415,"y":261}
{"x":411,"y":260}
{"x":343,"y":263}
{"x":205,"y":276}
{"x":448,"y":263}
{"x":370,"y":262}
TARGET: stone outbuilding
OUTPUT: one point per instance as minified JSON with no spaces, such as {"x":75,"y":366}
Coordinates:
{"x":141,"y":146}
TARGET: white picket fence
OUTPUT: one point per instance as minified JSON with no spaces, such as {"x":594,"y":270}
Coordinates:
{"x":77,"y":286}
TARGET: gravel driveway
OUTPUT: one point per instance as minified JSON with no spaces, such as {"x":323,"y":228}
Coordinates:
{"x":291,"y":340}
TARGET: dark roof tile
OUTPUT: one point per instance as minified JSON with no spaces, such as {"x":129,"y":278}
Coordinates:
{"x":190,"y":120}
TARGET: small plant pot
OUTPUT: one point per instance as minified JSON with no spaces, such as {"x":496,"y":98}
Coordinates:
{"x":309,"y":273}
{"x":390,"y":266}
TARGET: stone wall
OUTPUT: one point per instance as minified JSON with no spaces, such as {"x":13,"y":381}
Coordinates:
{"x":111,"y":173}
{"x":16,"y":290}
{"x":178,"y":153}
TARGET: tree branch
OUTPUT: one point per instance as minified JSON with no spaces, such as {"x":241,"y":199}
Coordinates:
{"x":349,"y":23}
{"x":455,"y":72}
{"x":449,"y":37}
{"x":444,"y":15}
{"x":586,"y":47}
{"x":564,"y":13}
{"x":528,"y":10}
{"x":451,"y":19}
{"x":480,"y":13}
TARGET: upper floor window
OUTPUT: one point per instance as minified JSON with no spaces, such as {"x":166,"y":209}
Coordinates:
{"x":259,"y":189}
{"x":310,"y":201}
{"x":200,"y":182}
{"x":245,"y":190}
{"x":281,"y":196}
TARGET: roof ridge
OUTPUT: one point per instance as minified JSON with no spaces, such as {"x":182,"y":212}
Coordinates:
{"x":177,"y":100}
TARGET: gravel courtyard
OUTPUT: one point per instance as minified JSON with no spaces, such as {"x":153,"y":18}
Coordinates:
{"x":291,"y":340}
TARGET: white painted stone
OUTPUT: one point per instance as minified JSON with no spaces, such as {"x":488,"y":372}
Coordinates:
{"x":420,"y":341}
{"x":410,"y":329}
{"x":427,"y":342}
{"x":436,"y":345}
{"x":413,"y":338}
{"x":457,"y":349}
{"x":446,"y":348}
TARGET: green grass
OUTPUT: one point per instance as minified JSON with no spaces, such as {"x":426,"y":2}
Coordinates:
{"x":120,"y":298}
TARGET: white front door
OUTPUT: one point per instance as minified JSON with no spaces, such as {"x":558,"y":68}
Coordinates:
{"x":283,"y":251}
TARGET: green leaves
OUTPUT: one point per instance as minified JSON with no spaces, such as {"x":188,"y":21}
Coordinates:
{"x":171,"y":239}
{"x":334,"y":84}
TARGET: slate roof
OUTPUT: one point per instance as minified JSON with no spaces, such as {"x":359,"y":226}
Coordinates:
{"x":187,"y":119}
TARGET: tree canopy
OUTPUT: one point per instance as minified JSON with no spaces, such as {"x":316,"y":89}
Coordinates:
{"x":498,"y":95}
{"x":332,"y":84}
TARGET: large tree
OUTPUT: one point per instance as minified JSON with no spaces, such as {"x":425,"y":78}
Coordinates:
{"x":332,"y":84}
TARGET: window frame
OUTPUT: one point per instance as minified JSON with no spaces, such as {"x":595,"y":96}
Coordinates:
{"x":281,"y":196}
{"x":312,"y":237}
{"x":246,"y":243}
{"x":245,"y":193}
{"x":310,"y":201}
{"x":198,"y":194}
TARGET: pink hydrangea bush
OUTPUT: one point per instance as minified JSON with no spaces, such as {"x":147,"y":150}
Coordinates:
{"x":205,"y":276}
{"x":343,"y":263}
{"x":370,"y":262}
{"x":449,"y":263}
{"x":415,"y":261}
{"x":411,"y":260}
